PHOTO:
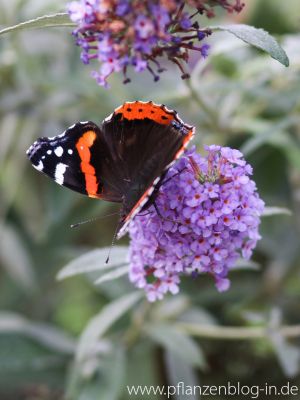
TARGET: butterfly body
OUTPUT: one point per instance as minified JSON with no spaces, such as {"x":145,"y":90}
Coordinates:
{"x":121,"y":161}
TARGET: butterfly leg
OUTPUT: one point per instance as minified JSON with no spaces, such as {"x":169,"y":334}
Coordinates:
{"x":158,"y":186}
{"x":164,"y":218}
{"x":173,"y":176}
{"x":144,"y":215}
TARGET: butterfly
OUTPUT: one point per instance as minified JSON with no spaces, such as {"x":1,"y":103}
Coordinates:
{"x":124,"y":160}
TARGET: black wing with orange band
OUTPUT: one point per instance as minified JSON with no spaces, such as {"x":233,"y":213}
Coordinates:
{"x":120,"y":162}
{"x":77,"y":159}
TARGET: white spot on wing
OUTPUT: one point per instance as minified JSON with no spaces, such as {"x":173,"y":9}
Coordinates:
{"x":123,"y":230}
{"x":40,"y":166}
{"x":70,"y":151}
{"x":59,"y":173}
{"x":59,"y":151}
{"x":49,"y":152}
{"x":108,"y":118}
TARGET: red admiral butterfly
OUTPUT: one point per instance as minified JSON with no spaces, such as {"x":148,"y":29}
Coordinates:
{"x":123,"y":161}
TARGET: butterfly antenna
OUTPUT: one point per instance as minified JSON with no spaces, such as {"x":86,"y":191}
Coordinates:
{"x":92,"y":220}
{"x":113,"y":242}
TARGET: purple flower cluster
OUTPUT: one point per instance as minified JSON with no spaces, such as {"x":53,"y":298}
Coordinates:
{"x":210,"y":213}
{"x":124,"y":33}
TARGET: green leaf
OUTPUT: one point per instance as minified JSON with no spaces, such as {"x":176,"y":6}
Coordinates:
{"x":242,"y":264}
{"x":99,"y":324}
{"x":45,"y":334}
{"x":198,"y":316}
{"x":170,"y":308}
{"x":274,"y":134}
{"x":269,"y":211}
{"x":178,"y":343}
{"x":113,"y":383}
{"x":257,"y":38}
{"x":114,"y":274}
{"x":180,"y":371}
{"x":288,"y":354}
{"x":23,"y":362}
{"x":46,"y":21}
{"x":16,"y":259}
{"x":95,"y":260}
{"x":108,"y":386}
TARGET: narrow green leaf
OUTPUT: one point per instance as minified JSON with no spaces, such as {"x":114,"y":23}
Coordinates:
{"x":198,"y":315}
{"x":242,"y":264}
{"x":45,"y":334}
{"x":114,"y":274}
{"x":46,"y":21}
{"x":23,"y":360}
{"x":99,"y":324}
{"x":180,"y":371}
{"x":177,"y":342}
{"x":95,"y":260}
{"x":272,"y":133}
{"x":16,"y":259}
{"x":257,"y":38}
{"x":288,"y":354}
{"x":109,"y":384}
{"x":171,"y":308}
{"x":269,"y":211}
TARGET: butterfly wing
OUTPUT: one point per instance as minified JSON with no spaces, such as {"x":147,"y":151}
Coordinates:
{"x":78,"y":159}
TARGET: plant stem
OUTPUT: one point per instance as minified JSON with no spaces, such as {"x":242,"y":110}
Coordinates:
{"x":210,"y":113}
{"x":138,"y":319}
{"x":236,"y":333}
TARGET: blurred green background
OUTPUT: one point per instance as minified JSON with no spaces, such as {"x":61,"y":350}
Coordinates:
{"x":239,"y":97}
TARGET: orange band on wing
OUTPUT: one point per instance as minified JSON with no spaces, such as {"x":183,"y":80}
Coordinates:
{"x":83,"y":147}
{"x":139,"y":110}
